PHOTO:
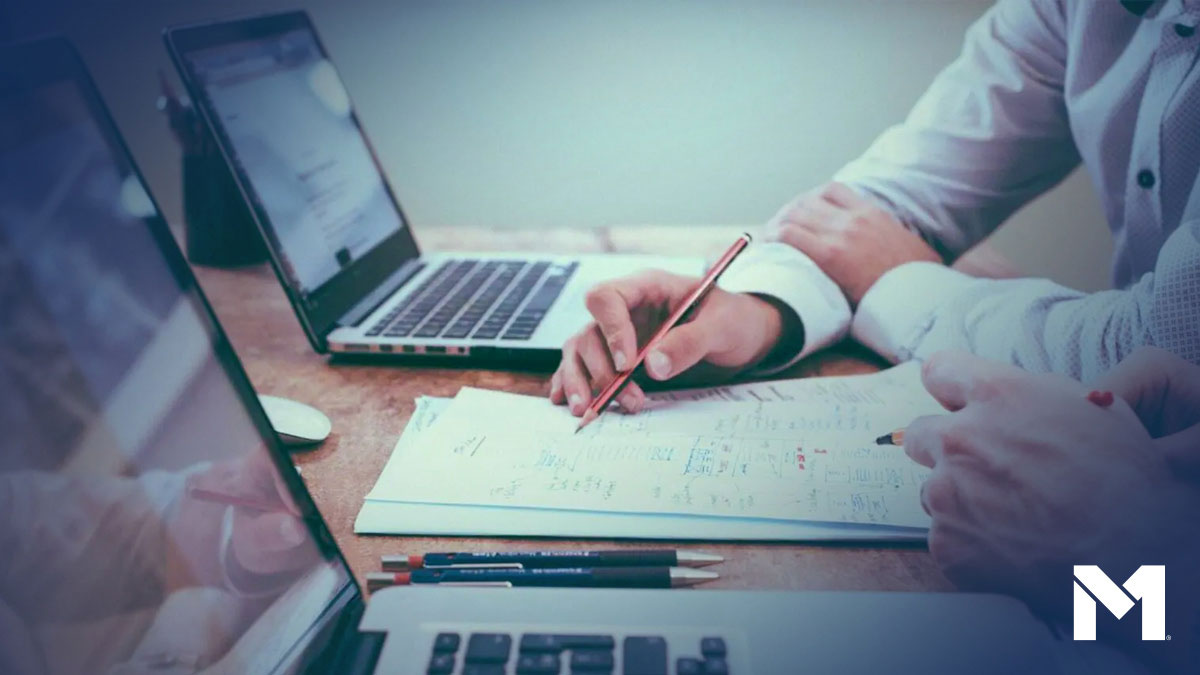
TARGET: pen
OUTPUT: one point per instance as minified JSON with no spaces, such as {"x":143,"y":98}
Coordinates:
{"x":550,"y":559}
{"x":1099,"y":398}
{"x":577,"y":577}
{"x":598,"y":404}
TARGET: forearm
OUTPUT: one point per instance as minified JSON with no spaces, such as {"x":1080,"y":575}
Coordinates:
{"x":990,"y":133}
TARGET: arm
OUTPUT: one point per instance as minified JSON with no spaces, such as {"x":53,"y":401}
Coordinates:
{"x":919,"y":308}
{"x":990,"y":134}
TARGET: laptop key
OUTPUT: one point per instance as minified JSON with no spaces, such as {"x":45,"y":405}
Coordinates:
{"x":712,"y":646}
{"x":483,"y":669}
{"x":689,"y":666}
{"x":645,"y":656}
{"x":591,"y":660}
{"x":716,"y":666}
{"x":441,"y":664}
{"x":488,"y":648}
{"x":446,"y":642}
{"x":545,"y":642}
{"x":538,"y":664}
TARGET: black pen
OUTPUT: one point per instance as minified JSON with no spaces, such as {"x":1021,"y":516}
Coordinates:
{"x":545,"y":559}
{"x":577,"y":577}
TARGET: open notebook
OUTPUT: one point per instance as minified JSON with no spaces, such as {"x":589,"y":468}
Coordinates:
{"x":786,"y":460}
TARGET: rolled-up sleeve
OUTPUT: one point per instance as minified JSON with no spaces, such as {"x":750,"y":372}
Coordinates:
{"x":921,"y":308}
{"x":988,"y":135}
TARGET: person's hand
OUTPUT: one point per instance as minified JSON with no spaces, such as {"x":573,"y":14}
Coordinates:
{"x":261,"y":543}
{"x":1030,"y":478}
{"x":728,"y":333}
{"x":1164,"y":391}
{"x":848,"y":237}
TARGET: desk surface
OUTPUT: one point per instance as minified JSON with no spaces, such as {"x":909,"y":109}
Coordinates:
{"x":369,"y":406}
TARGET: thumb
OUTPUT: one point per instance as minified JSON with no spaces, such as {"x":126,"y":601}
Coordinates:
{"x":680,"y":349}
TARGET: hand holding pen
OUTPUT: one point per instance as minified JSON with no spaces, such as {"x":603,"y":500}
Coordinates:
{"x":726,"y":333}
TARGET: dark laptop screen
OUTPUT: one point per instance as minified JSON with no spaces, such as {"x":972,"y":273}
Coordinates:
{"x":144,"y":521}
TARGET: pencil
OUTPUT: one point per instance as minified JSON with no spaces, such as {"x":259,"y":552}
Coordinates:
{"x":894,"y":438}
{"x":598,"y":404}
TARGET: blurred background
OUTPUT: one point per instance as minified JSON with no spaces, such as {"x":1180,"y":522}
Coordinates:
{"x":566,"y":113}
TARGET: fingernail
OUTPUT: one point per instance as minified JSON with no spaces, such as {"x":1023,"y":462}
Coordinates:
{"x":574,"y":400}
{"x":1103,"y":399}
{"x":619,"y":361}
{"x":659,"y":365}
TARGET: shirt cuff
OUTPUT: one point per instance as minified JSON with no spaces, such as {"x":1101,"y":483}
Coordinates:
{"x":900,"y":309}
{"x":781,"y":272}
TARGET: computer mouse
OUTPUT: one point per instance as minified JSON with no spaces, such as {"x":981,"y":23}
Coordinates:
{"x":296,"y":424}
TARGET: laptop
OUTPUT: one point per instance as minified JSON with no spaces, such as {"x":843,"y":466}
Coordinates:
{"x":152,"y":522}
{"x":339,"y":241}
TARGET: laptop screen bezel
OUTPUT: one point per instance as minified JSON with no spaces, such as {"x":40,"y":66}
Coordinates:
{"x":49,"y":60}
{"x":321,"y":309}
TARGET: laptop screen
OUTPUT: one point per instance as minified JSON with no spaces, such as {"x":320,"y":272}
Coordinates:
{"x":286,"y":124}
{"x":287,"y":117}
{"x":144,"y":519}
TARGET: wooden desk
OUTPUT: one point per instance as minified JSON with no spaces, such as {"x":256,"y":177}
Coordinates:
{"x":369,"y":406}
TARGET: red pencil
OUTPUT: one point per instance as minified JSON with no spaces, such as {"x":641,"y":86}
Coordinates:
{"x":598,"y":404}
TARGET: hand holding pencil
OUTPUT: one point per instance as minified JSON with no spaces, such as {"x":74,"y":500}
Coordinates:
{"x":726,"y":333}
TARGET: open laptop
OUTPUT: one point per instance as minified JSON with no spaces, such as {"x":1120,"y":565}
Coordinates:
{"x":152,"y":523}
{"x":340,"y":244}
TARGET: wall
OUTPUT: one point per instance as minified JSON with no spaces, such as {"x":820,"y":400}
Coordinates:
{"x":541,"y":113}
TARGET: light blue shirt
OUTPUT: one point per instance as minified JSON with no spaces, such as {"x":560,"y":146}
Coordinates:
{"x":1040,"y":86}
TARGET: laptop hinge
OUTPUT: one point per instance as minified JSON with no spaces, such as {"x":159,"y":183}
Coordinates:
{"x":382,"y":292}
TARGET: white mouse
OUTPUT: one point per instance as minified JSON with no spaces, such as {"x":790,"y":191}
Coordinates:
{"x":295,"y":422}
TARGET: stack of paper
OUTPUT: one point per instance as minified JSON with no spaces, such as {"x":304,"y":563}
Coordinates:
{"x":790,"y":460}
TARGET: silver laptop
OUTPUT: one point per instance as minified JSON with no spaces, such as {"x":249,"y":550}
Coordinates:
{"x":341,"y":246}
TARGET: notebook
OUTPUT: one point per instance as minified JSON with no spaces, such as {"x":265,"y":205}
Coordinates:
{"x":714,"y":463}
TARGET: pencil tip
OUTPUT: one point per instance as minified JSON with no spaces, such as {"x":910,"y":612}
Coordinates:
{"x":589,"y":416}
{"x":885,"y":439}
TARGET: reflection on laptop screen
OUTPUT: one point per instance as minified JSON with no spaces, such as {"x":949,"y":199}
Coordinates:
{"x":288,"y":120}
{"x":126,"y":445}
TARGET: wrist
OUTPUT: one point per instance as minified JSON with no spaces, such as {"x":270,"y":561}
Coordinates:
{"x":780,"y":330}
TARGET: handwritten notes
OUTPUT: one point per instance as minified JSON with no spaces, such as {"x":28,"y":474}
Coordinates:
{"x":774,"y":459}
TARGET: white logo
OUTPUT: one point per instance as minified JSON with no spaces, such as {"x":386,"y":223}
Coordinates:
{"x":1148,"y":584}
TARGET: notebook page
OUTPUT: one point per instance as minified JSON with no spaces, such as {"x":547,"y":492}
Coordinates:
{"x":766,"y":460}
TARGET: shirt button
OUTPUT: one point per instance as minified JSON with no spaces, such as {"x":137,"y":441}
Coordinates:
{"x":1184,"y":31}
{"x":1145,"y":178}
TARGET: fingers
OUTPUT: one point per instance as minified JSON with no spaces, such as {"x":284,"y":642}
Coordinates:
{"x":586,"y":368}
{"x":680,"y":349}
{"x":610,"y":304}
{"x":574,"y":379}
{"x":923,"y":439}
{"x":267,"y":543}
{"x":956,"y":378}
{"x":1163,"y":389}
{"x":840,"y":195}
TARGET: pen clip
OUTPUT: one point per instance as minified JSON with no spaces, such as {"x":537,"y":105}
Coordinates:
{"x":481,"y":584}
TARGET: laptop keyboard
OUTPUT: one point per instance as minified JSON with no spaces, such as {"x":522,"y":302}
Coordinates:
{"x":550,"y":654}
{"x":478,"y":299}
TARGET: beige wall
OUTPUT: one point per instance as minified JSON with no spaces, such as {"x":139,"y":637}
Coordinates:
{"x":543,"y":113}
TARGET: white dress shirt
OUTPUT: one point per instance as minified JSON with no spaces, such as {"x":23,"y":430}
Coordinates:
{"x":1040,"y":85}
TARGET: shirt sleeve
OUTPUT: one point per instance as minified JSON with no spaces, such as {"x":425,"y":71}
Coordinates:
{"x":918,"y":309}
{"x":780,"y":272}
{"x":989,"y":134}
